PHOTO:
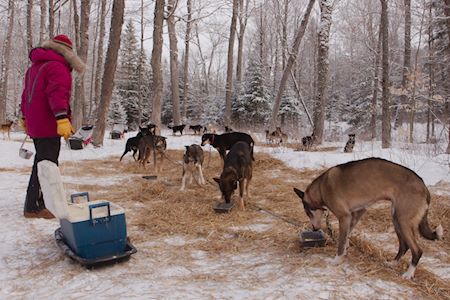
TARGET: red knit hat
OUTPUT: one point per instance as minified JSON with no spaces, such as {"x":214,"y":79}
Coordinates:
{"x":63,"y":39}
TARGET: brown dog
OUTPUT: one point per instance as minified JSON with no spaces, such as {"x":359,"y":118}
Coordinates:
{"x":152,"y":144}
{"x":192,"y":165}
{"x":237,"y":168}
{"x":348,"y":189}
{"x":6,"y":128}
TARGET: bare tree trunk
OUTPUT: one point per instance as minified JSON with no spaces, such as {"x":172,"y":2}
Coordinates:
{"x":141,"y":65}
{"x":400,"y":110}
{"x":29,"y":25}
{"x":174,"y":76}
{"x":202,"y":57}
{"x":187,"y":38}
{"x":51,"y":18}
{"x":413,"y":94}
{"x":284,"y":37}
{"x":376,"y":82}
{"x":82,"y":51}
{"x":430,"y":117}
{"x":98,"y":67}
{"x":243,"y":16}
{"x":109,"y":70}
{"x":386,"y":118}
{"x":290,"y":63}
{"x":6,"y":62}
{"x":94,"y":61}
{"x":42,"y":21}
{"x":447,"y":14}
{"x":326,"y":9}
{"x":229,"y":82}
{"x":157,"y":85}
{"x":76,"y":23}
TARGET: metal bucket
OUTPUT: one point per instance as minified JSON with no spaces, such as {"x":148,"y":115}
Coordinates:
{"x":24,"y":153}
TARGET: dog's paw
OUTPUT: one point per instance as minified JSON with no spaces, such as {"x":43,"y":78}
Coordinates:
{"x":337,"y":260}
{"x":409,"y":274}
{"x":439,"y":232}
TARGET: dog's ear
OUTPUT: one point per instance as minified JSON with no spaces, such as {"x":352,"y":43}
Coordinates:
{"x":234,"y":184}
{"x":299,"y":193}
{"x":217,"y":180}
{"x":187,"y":148}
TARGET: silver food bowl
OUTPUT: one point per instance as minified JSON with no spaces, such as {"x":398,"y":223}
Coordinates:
{"x":26,"y":154}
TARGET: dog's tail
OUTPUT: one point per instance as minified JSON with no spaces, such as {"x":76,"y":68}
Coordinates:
{"x":426,"y":232}
{"x":170,"y":127}
{"x":127,"y":149}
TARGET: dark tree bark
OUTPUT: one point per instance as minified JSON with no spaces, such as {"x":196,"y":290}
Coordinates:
{"x":29,"y":25}
{"x":174,"y":74}
{"x":229,"y":81}
{"x":51,"y":18}
{"x":187,"y":38}
{"x":157,"y":84}
{"x":386,"y":112}
{"x":109,"y":70}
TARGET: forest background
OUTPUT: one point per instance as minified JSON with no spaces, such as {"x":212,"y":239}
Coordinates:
{"x":252,"y":64}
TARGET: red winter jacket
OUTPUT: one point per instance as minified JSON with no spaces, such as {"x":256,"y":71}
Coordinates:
{"x":46,"y":93}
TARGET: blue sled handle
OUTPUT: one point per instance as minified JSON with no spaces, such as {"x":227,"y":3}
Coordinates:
{"x":83,"y":194}
{"x":97,"y":205}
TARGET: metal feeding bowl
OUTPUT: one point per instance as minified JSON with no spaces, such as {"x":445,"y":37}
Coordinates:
{"x":310,"y":239}
{"x":26,"y":154}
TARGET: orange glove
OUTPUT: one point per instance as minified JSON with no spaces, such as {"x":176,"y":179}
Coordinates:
{"x":64,"y":128}
{"x":24,"y":125}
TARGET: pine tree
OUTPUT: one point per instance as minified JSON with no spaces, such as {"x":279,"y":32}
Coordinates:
{"x":117,"y":113}
{"x":254,"y":104}
{"x":128,"y":76}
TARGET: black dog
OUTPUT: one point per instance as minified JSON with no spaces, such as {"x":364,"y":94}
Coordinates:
{"x":237,"y":168}
{"x":307,"y":142}
{"x":178,"y":128}
{"x":133,"y":142}
{"x":224,"y":142}
{"x":197,"y":128}
{"x":350,"y":143}
{"x":151,"y":128}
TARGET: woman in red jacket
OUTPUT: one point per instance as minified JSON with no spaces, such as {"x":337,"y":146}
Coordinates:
{"x":46,"y":109}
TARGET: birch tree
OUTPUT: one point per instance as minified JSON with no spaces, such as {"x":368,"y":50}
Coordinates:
{"x":109,"y":70}
{"x":326,"y":9}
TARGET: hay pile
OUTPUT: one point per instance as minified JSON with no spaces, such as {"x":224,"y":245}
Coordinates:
{"x":157,"y":210}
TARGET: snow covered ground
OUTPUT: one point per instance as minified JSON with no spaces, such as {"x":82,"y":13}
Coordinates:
{"x":33,"y":266}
